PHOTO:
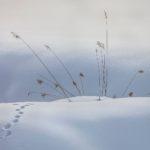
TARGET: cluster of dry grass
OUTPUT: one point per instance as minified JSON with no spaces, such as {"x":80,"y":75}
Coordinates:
{"x":52,"y":82}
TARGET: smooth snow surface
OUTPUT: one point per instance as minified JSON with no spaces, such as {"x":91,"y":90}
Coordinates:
{"x":83,"y":124}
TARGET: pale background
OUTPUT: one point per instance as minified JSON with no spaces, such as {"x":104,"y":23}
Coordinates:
{"x":71,"y":28}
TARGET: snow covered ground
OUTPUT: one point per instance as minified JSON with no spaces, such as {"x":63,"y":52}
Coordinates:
{"x":83,"y":124}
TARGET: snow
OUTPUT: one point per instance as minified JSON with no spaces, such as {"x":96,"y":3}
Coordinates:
{"x":83,"y":124}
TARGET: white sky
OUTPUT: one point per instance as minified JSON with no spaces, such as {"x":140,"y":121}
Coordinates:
{"x":73,"y":26}
{"x":79,"y":22}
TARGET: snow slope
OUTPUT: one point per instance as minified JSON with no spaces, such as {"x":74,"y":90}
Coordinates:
{"x":83,"y":124}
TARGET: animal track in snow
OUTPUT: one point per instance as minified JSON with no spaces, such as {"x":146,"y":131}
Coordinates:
{"x":15,"y":120}
{"x":22,"y":107}
{"x":5,"y":129}
{"x":20,"y":112}
{"x":4,"y":134}
{"x":7,"y":126}
{"x":8,"y":133}
{"x":17,"y":116}
{"x":15,"y":104}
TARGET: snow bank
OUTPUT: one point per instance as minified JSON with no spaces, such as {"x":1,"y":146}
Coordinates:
{"x":83,"y":124}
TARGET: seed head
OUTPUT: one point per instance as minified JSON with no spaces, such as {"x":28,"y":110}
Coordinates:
{"x":141,"y":71}
{"x":130,"y":94}
{"x":47,"y":46}
{"x":44,"y":94}
{"x":105,"y":14}
{"x":15,"y":35}
{"x":74,"y":83}
{"x":56,"y":85}
{"x":81,"y":74}
{"x":100,"y":44}
{"x":39,"y":81}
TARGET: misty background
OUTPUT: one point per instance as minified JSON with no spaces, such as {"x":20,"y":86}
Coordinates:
{"x":71,"y":29}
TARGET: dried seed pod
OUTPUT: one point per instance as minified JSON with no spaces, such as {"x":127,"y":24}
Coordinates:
{"x":101,"y":45}
{"x":44,"y":94}
{"x":15,"y":35}
{"x":74,"y":83}
{"x":81,"y":74}
{"x":56,"y":85}
{"x":141,"y":71}
{"x":130,"y":94}
{"x":39,"y":81}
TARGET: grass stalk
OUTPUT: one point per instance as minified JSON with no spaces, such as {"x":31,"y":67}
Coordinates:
{"x":55,"y":85}
{"x":99,"y":74}
{"x":43,"y":94}
{"x":101,"y":57}
{"x":65,"y":68}
{"x":131,"y":81}
{"x":49,"y":85}
{"x":42,"y":63}
{"x":81,"y":76}
{"x":106,"y":62}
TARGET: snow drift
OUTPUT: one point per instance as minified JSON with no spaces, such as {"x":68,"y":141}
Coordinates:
{"x":83,"y":124}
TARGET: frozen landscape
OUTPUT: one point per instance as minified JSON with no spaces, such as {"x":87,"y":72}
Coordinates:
{"x":83,"y":124}
{"x":74,"y":75}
